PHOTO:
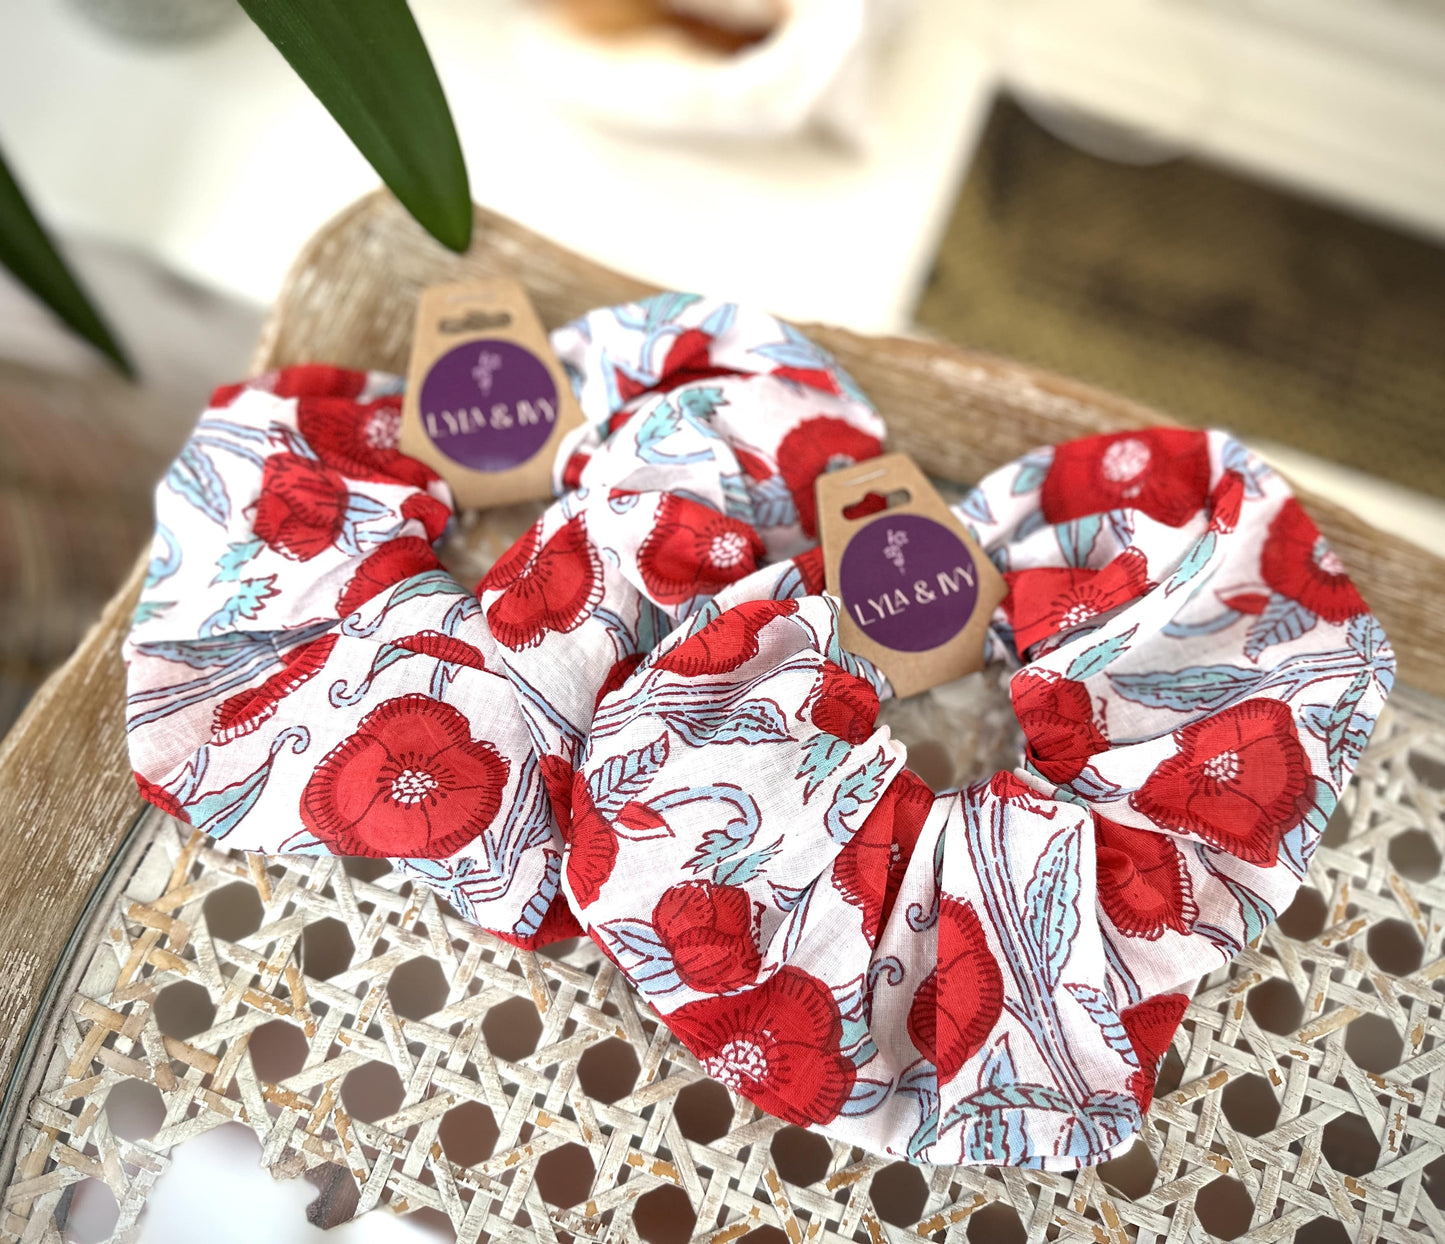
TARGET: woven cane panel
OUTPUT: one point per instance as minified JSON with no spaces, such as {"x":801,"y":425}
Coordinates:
{"x":1303,"y":1093}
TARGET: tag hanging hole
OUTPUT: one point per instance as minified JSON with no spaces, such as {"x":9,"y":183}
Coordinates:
{"x":871,"y":503}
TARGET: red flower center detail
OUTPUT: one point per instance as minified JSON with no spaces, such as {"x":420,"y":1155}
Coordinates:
{"x":693,"y":550}
{"x":777,"y":1044}
{"x":1049,"y":600}
{"x":1162,"y":472}
{"x":382,"y":429}
{"x":1240,"y":781}
{"x":410,"y":782}
{"x":412,"y":786}
{"x":1123,"y":463}
{"x":738,"y":1061}
{"x":1326,"y":560}
{"x":728,"y":550}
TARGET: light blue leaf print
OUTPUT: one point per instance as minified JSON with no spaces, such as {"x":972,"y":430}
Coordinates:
{"x":648,"y":963}
{"x":1077,"y":538}
{"x":661,"y":422}
{"x":623,"y":778}
{"x":1033,"y":467}
{"x":1102,"y":1012}
{"x":1297,"y":847}
{"x":720,"y":320}
{"x":1282,"y":620}
{"x":742,"y":869}
{"x":699,"y":402}
{"x":1051,"y":903}
{"x":237,"y":554}
{"x":786,"y":897}
{"x":1235,"y":457}
{"x":975,"y":506}
{"x":245,"y":604}
{"x":1255,"y":913}
{"x":165,"y":557}
{"x":1338,"y":721}
{"x":1193,"y":563}
{"x":789,"y":936}
{"x":737,"y":500}
{"x":773,"y":503}
{"x":662,"y":309}
{"x":1099,"y":656}
{"x":209,"y":653}
{"x":536,"y":907}
{"x":216,"y":814}
{"x":150,"y":610}
{"x":1116,"y":1113}
{"x":995,"y":1137}
{"x":1367,"y":637}
{"x":194,"y":478}
{"x":1018,"y":1096}
{"x":866,"y":1097}
{"x":753,"y":721}
{"x":998,"y":1067}
{"x":1090,"y":784}
{"x":888,"y":968}
{"x":1031,"y":522}
{"x":361,"y":509}
{"x":795,"y":353}
{"x":857,"y":790}
{"x":732,"y":839}
{"x":1192,"y":689}
{"x":1176,"y":629}
{"x":822,"y":754}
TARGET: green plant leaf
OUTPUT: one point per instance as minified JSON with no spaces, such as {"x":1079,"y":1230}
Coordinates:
{"x":366,"y":62}
{"x":26,"y":249}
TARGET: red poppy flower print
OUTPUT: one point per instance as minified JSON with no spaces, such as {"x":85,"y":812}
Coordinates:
{"x":1046,"y":602}
{"x":1163,"y":472}
{"x":360,"y":440}
{"x":443,"y":648}
{"x":557,"y":590}
{"x":843,"y":704}
{"x":729,"y":641}
{"x":557,"y":778}
{"x":1151,"y":1026}
{"x":393,"y":563}
{"x":591,"y":845}
{"x":410,"y":782}
{"x":694,"y":551}
{"x":778,"y":1045}
{"x":1240,"y":781}
{"x":1144,"y":885}
{"x":960,"y":1001}
{"x":1057,"y":718}
{"x":301,"y":507}
{"x":809,"y":565}
{"x":1298,"y":563}
{"x":1226,"y":501}
{"x":244,"y":712}
{"x":512,"y":564}
{"x":160,"y":797}
{"x":708,"y":930}
{"x":572,"y":472}
{"x":869,"y":870}
{"x":433,"y":515}
{"x":814,"y":447}
{"x":689,"y":359}
{"x":622,"y":669}
{"x":754,"y":465}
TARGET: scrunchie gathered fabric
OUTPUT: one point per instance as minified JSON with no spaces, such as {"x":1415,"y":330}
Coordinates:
{"x":304,"y":676}
{"x":989,"y":975}
{"x":642,"y":724}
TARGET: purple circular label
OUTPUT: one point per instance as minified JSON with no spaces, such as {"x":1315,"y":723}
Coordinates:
{"x":908,"y":582}
{"x":489,"y":405}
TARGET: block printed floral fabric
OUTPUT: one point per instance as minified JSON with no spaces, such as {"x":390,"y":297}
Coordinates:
{"x":642,"y":725}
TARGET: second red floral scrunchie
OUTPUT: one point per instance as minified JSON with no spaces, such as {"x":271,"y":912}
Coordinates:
{"x":989,"y":975}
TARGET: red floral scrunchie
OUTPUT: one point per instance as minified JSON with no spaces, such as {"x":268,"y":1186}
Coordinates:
{"x":989,"y":975}
{"x":303,"y":674}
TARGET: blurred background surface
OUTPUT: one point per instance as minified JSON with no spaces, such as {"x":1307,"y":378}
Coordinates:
{"x":1230,"y":209}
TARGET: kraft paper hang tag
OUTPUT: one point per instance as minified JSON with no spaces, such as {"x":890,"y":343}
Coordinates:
{"x":487,"y":402}
{"x":916,"y":591}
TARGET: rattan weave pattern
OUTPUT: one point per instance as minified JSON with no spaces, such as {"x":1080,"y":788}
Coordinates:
{"x":1359,"y":958}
